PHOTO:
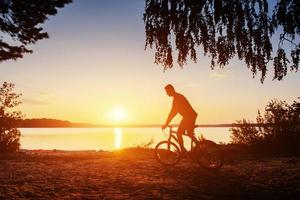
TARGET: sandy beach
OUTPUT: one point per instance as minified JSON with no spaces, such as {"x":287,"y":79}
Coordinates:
{"x":135,"y":174}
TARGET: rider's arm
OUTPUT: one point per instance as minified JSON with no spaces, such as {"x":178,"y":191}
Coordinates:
{"x":171,"y":115}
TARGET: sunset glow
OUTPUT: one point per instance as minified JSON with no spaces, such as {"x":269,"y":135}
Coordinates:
{"x":100,"y":74}
{"x":149,"y":99}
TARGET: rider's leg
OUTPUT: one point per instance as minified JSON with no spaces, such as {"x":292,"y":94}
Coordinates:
{"x":181,"y":129}
{"x":191,"y":124}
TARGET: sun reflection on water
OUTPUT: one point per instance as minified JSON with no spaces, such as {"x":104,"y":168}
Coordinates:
{"x":118,"y":137}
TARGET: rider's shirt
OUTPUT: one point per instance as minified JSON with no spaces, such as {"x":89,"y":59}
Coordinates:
{"x":183,"y":107}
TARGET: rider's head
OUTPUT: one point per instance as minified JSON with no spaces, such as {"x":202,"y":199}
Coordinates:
{"x":170,"y":90}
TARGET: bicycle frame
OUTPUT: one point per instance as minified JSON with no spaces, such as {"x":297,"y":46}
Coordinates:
{"x":194,"y":140}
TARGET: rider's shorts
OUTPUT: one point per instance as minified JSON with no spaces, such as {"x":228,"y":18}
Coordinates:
{"x":187,"y":125}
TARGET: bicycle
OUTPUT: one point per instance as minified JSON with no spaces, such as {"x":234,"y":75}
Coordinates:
{"x":207,"y":153}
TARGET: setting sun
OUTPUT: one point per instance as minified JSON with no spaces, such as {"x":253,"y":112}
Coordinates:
{"x":117,"y":114}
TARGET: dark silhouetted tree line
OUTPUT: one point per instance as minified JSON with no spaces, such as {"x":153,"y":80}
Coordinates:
{"x":20,"y":24}
{"x":279,"y":136}
{"x":43,"y":123}
{"x":225,"y":29}
{"x":9,"y":134}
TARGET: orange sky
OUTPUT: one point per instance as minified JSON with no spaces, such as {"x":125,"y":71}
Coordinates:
{"x":95,"y":60}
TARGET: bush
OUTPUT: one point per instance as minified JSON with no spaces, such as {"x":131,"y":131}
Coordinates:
{"x":277,"y":132}
{"x":9,"y":134}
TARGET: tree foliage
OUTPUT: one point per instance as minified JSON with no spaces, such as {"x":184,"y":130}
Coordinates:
{"x":279,"y":130}
{"x":224,"y":29}
{"x":9,"y":134}
{"x":20,"y":24}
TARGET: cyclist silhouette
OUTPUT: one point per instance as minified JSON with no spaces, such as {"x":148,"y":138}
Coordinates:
{"x":182,"y":106}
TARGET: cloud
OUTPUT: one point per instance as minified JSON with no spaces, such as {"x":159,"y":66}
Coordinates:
{"x":192,"y":85}
{"x":219,"y":74}
{"x":44,"y":94}
{"x":40,"y":98}
{"x":34,"y":101}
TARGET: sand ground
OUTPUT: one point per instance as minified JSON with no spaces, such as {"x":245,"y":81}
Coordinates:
{"x":135,"y":174}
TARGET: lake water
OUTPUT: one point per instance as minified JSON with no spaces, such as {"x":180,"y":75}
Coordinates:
{"x":104,"y":138}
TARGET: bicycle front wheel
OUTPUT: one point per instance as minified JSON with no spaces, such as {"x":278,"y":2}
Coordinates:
{"x":167,"y":153}
{"x":209,"y":155}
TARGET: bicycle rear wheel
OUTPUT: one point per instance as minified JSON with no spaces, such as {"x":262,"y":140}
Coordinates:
{"x":209,"y":155}
{"x":167,"y":153}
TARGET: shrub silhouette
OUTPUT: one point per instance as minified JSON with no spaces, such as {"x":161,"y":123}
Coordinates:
{"x":9,"y":134}
{"x":278,"y":130}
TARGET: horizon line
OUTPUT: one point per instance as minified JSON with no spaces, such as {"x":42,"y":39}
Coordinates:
{"x":86,"y":125}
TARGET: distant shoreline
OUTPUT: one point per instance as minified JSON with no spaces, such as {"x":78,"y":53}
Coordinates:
{"x":142,"y":126}
{"x":55,"y":123}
